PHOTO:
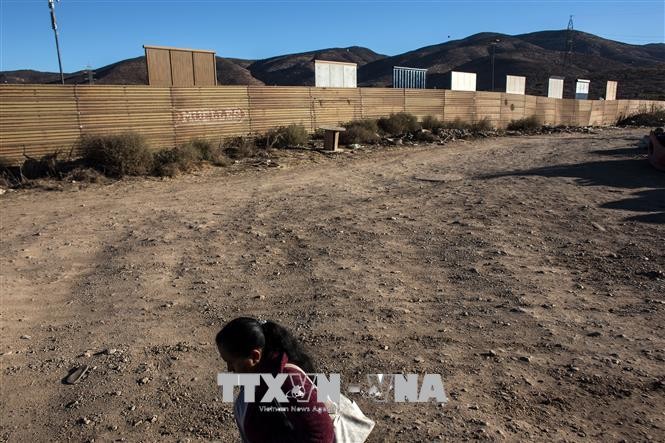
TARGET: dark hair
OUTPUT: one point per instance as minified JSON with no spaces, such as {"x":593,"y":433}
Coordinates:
{"x":243,"y":334}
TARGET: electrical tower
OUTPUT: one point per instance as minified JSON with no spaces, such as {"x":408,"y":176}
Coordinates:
{"x":90,"y":74}
{"x":568,"y":53}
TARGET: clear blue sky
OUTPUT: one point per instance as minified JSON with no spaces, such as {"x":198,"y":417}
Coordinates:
{"x":99,"y":32}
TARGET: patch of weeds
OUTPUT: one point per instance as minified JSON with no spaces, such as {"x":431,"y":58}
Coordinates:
{"x":527,"y":124}
{"x":360,"y":131}
{"x":238,"y":148}
{"x":654,"y":118}
{"x":287,"y":137}
{"x":169,"y":162}
{"x":118,"y":155}
{"x":399,"y":124}
{"x":431,"y":123}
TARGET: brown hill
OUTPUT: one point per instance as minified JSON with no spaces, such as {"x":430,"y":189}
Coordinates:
{"x":132,"y":71}
{"x":298,"y":69}
{"x":640,"y":69}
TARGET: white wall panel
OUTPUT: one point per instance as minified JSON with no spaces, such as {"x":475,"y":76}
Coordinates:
{"x":462,"y":81}
{"x":515,"y":84}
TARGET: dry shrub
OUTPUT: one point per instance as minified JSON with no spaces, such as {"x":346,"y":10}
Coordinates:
{"x":45,"y":166}
{"x":318,"y":134}
{"x":655,"y":118}
{"x":287,"y":136}
{"x":432,"y":123}
{"x":458,"y":123}
{"x":206,"y":149}
{"x":360,"y":131}
{"x":8,"y":176}
{"x":398,"y":124}
{"x":481,"y":125}
{"x":527,"y":124}
{"x":118,"y":155}
{"x":424,"y":136}
{"x":84,"y":175}
{"x":238,"y":148}
{"x":169,"y":162}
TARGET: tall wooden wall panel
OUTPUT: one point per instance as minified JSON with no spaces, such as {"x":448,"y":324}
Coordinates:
{"x":159,"y":67}
{"x":204,"y":69}
{"x":182,"y":68}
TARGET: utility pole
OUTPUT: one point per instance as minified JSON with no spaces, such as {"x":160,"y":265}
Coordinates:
{"x":494,"y":43}
{"x":51,"y":7}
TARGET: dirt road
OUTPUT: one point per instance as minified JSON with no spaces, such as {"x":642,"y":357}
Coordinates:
{"x":527,"y":271}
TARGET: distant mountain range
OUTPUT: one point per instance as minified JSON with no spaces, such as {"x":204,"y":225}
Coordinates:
{"x":639,"y":69}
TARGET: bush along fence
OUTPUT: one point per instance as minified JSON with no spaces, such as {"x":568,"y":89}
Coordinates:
{"x":36,"y":120}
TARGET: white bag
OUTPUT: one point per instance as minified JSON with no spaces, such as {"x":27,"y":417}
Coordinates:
{"x":349,"y":422}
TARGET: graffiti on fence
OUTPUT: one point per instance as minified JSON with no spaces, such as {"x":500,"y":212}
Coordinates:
{"x":200,"y":116}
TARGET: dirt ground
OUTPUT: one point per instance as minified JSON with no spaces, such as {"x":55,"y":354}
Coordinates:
{"x":527,"y":271}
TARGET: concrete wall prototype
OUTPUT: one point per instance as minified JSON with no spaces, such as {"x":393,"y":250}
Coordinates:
{"x":515,"y":84}
{"x":335,"y":74}
{"x":462,"y":81}
{"x":42,"y":119}
{"x":555,"y":87}
{"x":611,"y":90}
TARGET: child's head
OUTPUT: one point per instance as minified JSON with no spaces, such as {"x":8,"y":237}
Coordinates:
{"x":241,"y":343}
{"x":244,"y":343}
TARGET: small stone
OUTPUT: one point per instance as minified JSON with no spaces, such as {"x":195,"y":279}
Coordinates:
{"x":76,"y":374}
{"x":72,"y":404}
{"x":525,"y":358}
{"x":26,"y":337}
{"x":110,"y":351}
{"x":84,"y":421}
{"x":598,"y":227}
{"x":153,"y":419}
{"x":419,"y":359}
{"x":143,"y":381}
{"x":594,"y":334}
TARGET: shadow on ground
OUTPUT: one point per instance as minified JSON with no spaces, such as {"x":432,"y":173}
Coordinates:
{"x":627,"y":173}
